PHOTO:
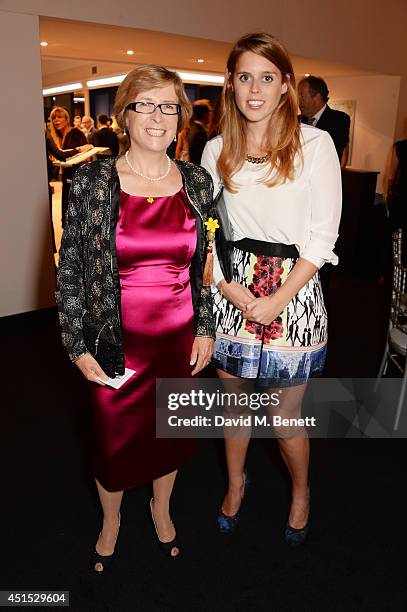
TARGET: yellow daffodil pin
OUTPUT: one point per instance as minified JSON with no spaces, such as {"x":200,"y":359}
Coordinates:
{"x":212,"y":225}
{"x":150,"y":200}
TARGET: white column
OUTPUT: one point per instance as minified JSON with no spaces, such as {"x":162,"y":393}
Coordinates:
{"x":87,"y":101}
{"x":26,"y":258}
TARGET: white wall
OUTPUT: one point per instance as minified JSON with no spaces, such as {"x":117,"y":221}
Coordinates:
{"x":375,"y":119}
{"x":365,"y":33}
{"x":26,"y":264}
{"x":401,"y":126}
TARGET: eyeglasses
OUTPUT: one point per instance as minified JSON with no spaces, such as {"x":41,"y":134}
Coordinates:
{"x":148,"y":108}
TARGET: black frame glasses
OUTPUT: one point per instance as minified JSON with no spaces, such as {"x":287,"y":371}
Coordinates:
{"x":135,"y":106}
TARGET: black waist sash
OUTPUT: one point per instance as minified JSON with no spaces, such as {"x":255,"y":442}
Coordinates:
{"x":267,"y":249}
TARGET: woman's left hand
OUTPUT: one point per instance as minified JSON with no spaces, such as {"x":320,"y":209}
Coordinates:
{"x":263,"y":310}
{"x":201,"y":354}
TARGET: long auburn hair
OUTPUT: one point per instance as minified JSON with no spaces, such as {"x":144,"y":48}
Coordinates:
{"x":57,"y":136}
{"x":142,"y":79}
{"x":282,"y":141}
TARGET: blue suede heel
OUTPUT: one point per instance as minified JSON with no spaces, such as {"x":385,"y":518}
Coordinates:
{"x":296,"y":537}
{"x":227,"y":524}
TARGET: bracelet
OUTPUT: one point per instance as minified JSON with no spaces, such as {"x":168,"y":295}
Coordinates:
{"x":75,"y":359}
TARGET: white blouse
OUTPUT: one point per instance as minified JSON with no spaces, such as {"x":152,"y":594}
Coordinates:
{"x":305,"y":211}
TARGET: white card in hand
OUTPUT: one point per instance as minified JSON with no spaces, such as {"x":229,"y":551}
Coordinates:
{"x":117,"y":382}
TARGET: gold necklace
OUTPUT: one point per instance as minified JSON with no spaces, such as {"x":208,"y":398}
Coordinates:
{"x":257,"y":160}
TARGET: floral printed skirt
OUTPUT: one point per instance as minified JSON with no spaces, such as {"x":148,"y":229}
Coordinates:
{"x":289,"y":350}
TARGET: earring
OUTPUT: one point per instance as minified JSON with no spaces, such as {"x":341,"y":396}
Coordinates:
{"x":124,"y":132}
{"x":175,"y":138}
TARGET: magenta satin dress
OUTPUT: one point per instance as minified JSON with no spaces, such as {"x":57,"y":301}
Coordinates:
{"x":155,"y":243}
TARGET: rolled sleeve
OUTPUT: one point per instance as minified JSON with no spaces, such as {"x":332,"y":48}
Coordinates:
{"x":326,"y":204}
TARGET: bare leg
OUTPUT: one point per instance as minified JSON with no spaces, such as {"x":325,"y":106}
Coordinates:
{"x":162,"y":488}
{"x":236,"y":451}
{"x":295,"y":453}
{"x":111,"y":502}
{"x":294,"y":449}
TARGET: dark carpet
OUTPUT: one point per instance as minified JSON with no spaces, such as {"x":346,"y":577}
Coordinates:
{"x":50,"y":515}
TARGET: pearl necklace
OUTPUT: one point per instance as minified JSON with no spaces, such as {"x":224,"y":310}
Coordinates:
{"x":148,"y":178}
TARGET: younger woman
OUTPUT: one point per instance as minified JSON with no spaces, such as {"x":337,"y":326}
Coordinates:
{"x":282,"y":191}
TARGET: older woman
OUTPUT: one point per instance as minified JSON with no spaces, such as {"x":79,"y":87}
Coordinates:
{"x":131,"y":268}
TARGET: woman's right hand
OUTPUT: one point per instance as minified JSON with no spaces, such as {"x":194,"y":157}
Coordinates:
{"x":91,"y":369}
{"x":235,"y":293}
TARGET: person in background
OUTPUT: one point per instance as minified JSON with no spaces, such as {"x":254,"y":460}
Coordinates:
{"x":104,"y":135}
{"x":282,"y":191}
{"x":77,"y":121}
{"x":65,"y":137}
{"x":55,"y":152}
{"x":213,"y":129}
{"x":192,"y":140}
{"x":397,"y":186}
{"x":109,"y":122}
{"x":88,"y":127}
{"x":313,"y":96}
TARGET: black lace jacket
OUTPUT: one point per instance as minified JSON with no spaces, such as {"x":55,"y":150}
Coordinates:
{"x":88,"y":275}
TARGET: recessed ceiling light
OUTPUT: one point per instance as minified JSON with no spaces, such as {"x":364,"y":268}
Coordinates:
{"x":114,"y":80}
{"x":199,"y":77}
{"x":200,"y":61}
{"x":307,"y":74}
{"x":44,"y":43}
{"x":130,"y":52}
{"x":49,"y":91}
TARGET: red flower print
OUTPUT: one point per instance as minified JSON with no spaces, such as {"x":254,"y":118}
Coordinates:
{"x":266,"y":280}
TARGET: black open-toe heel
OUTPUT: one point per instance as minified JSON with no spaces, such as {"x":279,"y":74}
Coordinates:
{"x":168,"y":548}
{"x":104,"y":560}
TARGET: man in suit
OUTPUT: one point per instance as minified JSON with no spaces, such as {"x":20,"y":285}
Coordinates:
{"x":88,"y":127}
{"x":313,"y":97}
{"x":104,"y":136}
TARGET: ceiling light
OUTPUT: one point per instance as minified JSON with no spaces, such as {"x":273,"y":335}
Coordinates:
{"x":114,"y":80}
{"x":200,"y":61}
{"x":193,"y":77}
{"x":61,"y":89}
{"x":79,"y":99}
{"x":199,"y":77}
{"x":44,"y":43}
{"x":130,"y":52}
{"x":307,"y":74}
